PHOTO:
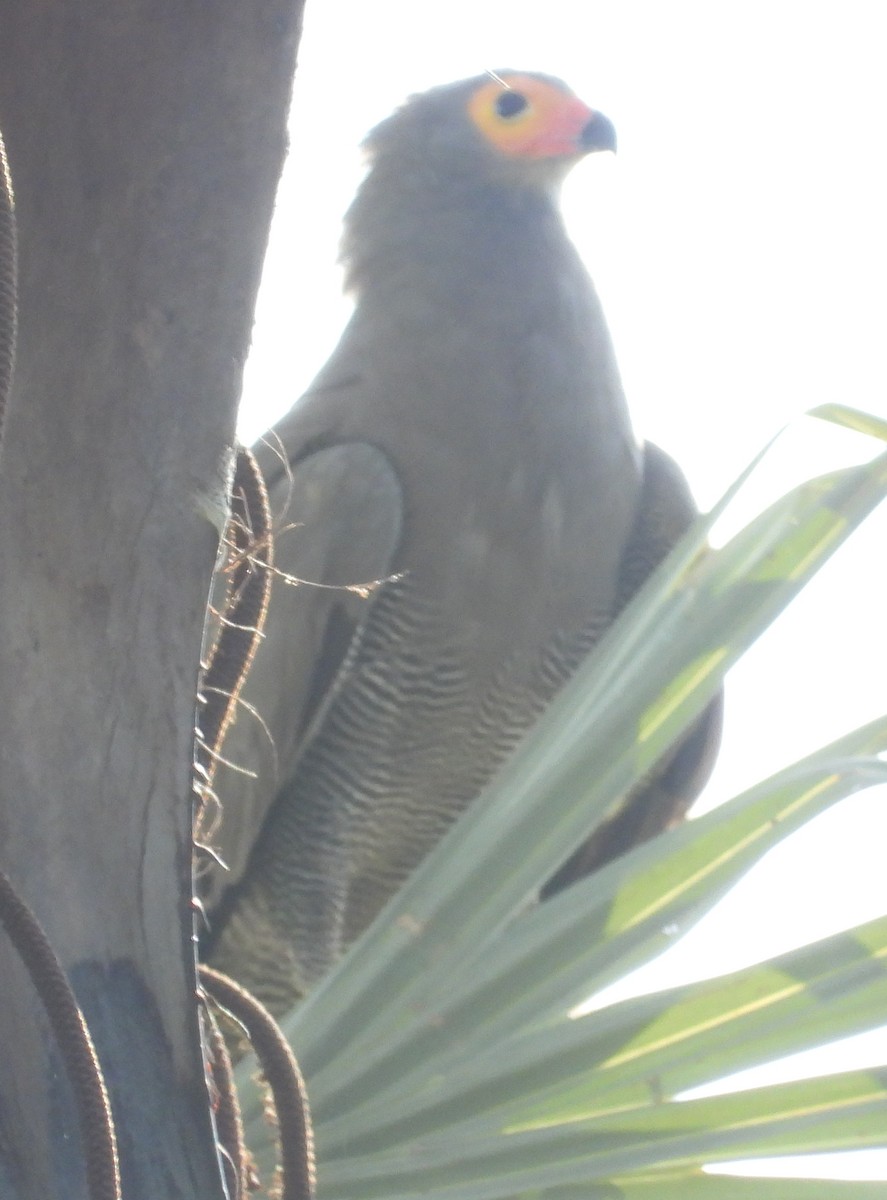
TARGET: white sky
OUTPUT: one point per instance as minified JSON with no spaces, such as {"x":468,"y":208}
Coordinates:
{"x":738,"y":242}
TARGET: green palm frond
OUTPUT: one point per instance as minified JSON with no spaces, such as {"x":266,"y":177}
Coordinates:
{"x":443,"y":1056}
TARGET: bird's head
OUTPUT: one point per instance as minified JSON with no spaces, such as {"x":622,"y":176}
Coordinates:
{"x":514,"y":126}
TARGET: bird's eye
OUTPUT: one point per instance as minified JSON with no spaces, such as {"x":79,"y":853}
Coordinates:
{"x":509,"y":104}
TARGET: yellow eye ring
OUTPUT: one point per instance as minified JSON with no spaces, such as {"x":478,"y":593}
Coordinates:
{"x":526,"y":117}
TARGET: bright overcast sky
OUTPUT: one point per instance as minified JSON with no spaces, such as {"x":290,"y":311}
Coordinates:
{"x":739,"y":242}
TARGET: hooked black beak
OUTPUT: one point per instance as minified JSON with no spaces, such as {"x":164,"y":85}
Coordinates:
{"x":599,"y":134}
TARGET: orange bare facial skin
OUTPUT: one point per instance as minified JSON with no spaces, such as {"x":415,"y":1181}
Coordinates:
{"x":530,"y":118}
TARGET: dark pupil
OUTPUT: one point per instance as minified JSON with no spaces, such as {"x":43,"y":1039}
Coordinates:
{"x":509,"y":104}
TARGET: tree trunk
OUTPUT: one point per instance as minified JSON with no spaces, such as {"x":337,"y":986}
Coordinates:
{"x":145,"y":139}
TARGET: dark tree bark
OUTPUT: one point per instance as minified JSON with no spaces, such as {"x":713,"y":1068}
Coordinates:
{"x":145,"y":139}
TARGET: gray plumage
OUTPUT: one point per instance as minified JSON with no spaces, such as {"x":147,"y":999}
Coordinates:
{"x":469,"y":436}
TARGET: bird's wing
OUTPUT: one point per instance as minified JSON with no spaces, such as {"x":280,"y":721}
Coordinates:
{"x":337,"y":515}
{"x":665,"y":511}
